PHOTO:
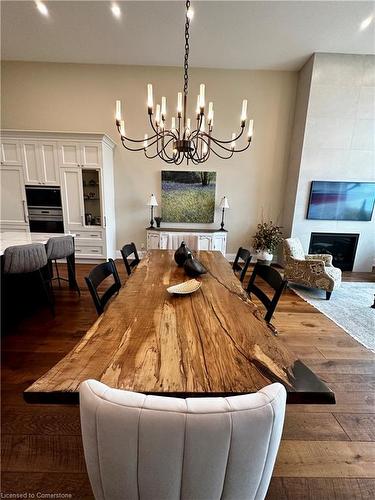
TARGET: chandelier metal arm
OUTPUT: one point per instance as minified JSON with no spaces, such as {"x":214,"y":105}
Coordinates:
{"x":133,"y":140}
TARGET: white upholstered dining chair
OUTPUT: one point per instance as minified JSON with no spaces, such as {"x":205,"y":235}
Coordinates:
{"x":164,"y":448}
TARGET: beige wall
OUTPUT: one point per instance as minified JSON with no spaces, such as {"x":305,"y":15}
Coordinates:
{"x":80,"y":98}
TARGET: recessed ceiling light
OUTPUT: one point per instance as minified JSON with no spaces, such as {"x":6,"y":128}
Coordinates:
{"x":41,"y":7}
{"x":366,"y":22}
{"x":116,"y":11}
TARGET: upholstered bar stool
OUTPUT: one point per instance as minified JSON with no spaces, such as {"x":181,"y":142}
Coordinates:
{"x":24,"y":259}
{"x":61,"y":247}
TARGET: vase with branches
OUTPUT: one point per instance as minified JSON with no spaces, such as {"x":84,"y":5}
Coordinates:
{"x":266,"y":240}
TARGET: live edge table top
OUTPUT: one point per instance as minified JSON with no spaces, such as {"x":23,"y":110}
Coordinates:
{"x":213,"y":342}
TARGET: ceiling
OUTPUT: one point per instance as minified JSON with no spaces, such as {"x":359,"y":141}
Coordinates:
{"x":277,"y":35}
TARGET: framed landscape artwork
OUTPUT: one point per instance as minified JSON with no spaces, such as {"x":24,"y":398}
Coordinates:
{"x":188,"y":196}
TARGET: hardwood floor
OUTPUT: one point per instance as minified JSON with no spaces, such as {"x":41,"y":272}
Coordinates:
{"x":327,"y":452}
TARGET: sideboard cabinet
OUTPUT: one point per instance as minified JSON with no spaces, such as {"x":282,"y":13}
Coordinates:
{"x":81,"y":165}
{"x":196,"y":239}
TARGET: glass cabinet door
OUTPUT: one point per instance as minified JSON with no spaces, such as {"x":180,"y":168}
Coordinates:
{"x":92,"y":197}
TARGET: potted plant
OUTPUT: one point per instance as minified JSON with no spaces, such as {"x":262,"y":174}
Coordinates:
{"x":266,"y":240}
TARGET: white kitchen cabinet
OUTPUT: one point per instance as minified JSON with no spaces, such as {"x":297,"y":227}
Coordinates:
{"x":40,"y":163}
{"x":170,"y":239}
{"x":72,"y":198}
{"x":10,"y":152}
{"x":13,"y":209}
{"x":49,"y":165}
{"x":82,"y":164}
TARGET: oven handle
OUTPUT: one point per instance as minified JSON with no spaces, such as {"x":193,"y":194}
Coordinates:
{"x":25,"y":215}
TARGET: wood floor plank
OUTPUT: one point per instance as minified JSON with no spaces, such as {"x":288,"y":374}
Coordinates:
{"x":338,"y":488}
{"x":325,"y":459}
{"x":313,"y":427}
{"x":344,"y":366}
{"x":55,"y":420}
{"x":76,"y":485}
{"x":34,"y":453}
{"x":357,"y":427}
{"x":346,"y":402}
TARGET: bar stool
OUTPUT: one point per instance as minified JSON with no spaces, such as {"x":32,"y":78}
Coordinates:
{"x":60,"y":247}
{"x":24,"y":259}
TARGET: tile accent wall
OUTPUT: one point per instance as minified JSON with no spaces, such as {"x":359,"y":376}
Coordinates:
{"x":338,"y":143}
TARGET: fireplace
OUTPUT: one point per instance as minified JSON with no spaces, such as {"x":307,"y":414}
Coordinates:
{"x":342,"y":246}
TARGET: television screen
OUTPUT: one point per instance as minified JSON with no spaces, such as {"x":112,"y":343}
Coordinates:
{"x":341,"y":200}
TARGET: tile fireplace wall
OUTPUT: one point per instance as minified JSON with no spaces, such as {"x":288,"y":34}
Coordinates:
{"x":333,"y":139}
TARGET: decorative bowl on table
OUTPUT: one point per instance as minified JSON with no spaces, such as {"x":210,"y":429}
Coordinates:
{"x":185,"y":288}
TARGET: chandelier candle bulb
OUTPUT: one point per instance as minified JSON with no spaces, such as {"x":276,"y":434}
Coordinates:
{"x":157,"y":115}
{"x":150,"y":99}
{"x":118,"y":111}
{"x":179,"y":104}
{"x":198,"y":108}
{"x":188,"y":126}
{"x":233,"y":143}
{"x":204,"y":148}
{"x":122,"y":128}
{"x":201,"y":95}
{"x":210,"y":112}
{"x":173,"y":125}
{"x":163,"y":107}
{"x":250,"y":130}
{"x":244,"y":111}
{"x":145,"y":142}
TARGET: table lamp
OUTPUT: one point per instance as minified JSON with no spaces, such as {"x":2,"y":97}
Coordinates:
{"x":152,"y":203}
{"x":223,"y":205}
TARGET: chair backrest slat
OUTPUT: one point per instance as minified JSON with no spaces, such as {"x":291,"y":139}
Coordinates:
{"x":245,"y":256}
{"x":273,"y":278}
{"x":96,"y":277}
{"x":126,"y":251}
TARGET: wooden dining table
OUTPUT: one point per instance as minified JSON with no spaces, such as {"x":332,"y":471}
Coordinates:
{"x":213,"y":342}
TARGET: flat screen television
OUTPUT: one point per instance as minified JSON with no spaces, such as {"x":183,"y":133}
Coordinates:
{"x":341,"y":200}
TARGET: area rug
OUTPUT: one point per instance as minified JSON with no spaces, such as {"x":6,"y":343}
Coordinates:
{"x":349,"y":307}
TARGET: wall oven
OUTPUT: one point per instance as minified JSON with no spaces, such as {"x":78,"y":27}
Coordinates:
{"x":45,"y":209}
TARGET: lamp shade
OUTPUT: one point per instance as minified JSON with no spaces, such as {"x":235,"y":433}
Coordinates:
{"x":152,"y":201}
{"x":224,"y":202}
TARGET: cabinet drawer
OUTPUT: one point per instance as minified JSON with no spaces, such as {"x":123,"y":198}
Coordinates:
{"x":89,"y":250}
{"x":88,"y":235}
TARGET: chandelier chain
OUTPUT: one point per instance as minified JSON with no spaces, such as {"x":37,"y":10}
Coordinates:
{"x":187,"y":48}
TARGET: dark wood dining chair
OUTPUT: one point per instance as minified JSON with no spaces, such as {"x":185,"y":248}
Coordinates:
{"x":244,"y":256}
{"x":127,"y":251}
{"x":96,"y":277}
{"x":273,"y":279}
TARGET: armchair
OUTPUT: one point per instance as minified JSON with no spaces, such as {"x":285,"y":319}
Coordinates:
{"x":314,"y":270}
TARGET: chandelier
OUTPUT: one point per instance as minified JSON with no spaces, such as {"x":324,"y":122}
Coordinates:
{"x":182,"y":140}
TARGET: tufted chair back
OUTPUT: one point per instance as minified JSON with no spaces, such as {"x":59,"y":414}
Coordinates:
{"x":21,"y":259}
{"x":293,"y":248}
{"x":140,"y":447}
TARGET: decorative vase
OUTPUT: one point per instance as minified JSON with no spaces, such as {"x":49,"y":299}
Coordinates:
{"x":181,"y":254}
{"x":193,"y":267}
{"x":158,"y":220}
{"x":264,"y":256}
